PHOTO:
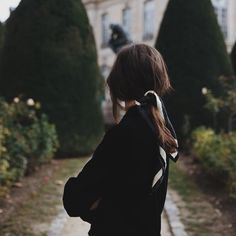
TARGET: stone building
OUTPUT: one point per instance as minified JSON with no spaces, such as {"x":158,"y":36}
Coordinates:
{"x":226,"y":14}
{"x":141,"y":20}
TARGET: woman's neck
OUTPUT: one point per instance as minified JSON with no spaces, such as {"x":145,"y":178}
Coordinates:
{"x":129,"y":104}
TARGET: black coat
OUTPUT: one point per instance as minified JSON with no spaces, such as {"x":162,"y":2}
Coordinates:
{"x":121,"y":173}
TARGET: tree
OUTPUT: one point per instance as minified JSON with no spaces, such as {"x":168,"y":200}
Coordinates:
{"x":1,"y":38}
{"x":233,"y":57}
{"x":223,"y":108}
{"x":1,"y":34}
{"x":50,"y":56}
{"x":193,"y":47}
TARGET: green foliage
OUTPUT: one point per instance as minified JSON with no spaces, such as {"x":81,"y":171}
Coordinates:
{"x":4,"y":156}
{"x":49,"y":54}
{"x":26,"y":140}
{"x":1,"y":34}
{"x":223,"y":108}
{"x":1,"y":38}
{"x":217,"y":153}
{"x":233,"y":57}
{"x":193,"y":47}
{"x":216,"y":149}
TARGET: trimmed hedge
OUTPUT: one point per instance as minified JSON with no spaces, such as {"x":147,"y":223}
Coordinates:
{"x":26,"y":141}
{"x":193,"y":47}
{"x":49,"y":54}
{"x":233,"y":57}
{"x":1,"y":35}
{"x":1,"y":38}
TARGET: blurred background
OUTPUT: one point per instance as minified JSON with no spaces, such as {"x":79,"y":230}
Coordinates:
{"x":55,"y":106}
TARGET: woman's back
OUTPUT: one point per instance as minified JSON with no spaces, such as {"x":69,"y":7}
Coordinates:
{"x":121,"y":190}
{"x":128,"y":206}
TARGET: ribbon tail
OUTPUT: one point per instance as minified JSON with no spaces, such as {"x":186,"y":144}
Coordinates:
{"x":173,"y":156}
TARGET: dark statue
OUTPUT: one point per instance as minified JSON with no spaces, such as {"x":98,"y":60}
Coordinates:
{"x":118,"y":38}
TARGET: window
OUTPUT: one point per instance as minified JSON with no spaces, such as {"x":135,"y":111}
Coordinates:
{"x":221,"y":11}
{"x":148,"y":20}
{"x":126,"y":21}
{"x":105,"y":30}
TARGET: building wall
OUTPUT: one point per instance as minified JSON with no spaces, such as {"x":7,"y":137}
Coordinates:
{"x":114,"y":10}
{"x":231,"y":6}
{"x":96,"y":8}
{"x":226,"y":13}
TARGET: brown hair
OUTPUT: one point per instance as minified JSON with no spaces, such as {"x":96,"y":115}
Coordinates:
{"x":137,"y":69}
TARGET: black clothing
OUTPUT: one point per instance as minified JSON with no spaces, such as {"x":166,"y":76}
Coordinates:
{"x":121,"y":173}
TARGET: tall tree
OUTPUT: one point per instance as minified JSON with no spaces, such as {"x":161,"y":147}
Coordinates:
{"x":193,"y":47}
{"x":50,"y":55}
{"x":233,"y":57}
{"x":1,"y":37}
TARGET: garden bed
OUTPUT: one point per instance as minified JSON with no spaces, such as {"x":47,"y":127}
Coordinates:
{"x":205,"y":206}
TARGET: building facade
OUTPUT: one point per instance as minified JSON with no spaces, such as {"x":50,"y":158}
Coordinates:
{"x":226,"y":15}
{"x":141,"y":20}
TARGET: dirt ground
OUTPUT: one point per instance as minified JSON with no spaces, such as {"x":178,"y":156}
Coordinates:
{"x":206,"y":208}
{"x":31,"y":206}
{"x":35,"y":203}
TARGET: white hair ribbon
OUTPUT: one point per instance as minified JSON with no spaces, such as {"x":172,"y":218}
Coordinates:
{"x":158,"y":101}
{"x":174,"y":156}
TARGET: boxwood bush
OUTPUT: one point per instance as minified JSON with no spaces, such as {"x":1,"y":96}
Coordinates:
{"x":233,"y":57}
{"x":49,"y":53}
{"x":193,"y":47}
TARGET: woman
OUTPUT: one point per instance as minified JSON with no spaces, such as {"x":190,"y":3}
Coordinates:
{"x":122,"y":188}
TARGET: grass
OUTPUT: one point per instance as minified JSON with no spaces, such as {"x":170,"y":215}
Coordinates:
{"x":33,"y":216}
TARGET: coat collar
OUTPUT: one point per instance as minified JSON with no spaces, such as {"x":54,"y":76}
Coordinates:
{"x":137,"y":109}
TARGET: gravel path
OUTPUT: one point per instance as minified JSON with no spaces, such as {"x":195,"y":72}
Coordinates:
{"x":76,"y":227}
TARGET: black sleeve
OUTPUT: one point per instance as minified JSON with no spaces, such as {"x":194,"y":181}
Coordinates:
{"x":82,"y":191}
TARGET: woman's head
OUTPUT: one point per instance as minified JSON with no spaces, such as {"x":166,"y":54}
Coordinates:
{"x":137,"y":69}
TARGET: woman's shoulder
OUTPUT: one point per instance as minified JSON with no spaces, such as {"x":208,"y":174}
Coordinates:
{"x":132,"y":129}
{"x":137,"y":122}
{"x":112,"y":136}
{"x":115,"y":132}
{"x":118,"y":135}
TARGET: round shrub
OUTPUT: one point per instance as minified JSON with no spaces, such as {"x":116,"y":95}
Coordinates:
{"x":49,"y":54}
{"x":233,"y":57}
{"x":193,"y":47}
{"x":1,"y":38}
{"x":1,"y":35}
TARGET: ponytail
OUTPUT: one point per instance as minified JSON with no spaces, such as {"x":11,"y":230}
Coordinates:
{"x":164,"y":134}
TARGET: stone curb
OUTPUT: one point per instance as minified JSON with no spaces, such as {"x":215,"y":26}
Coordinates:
{"x":172,"y":212}
{"x":58,"y":223}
